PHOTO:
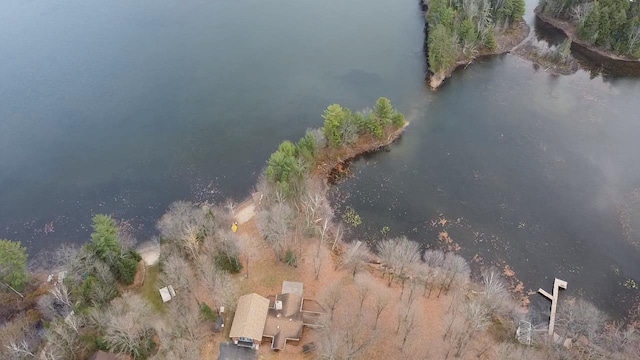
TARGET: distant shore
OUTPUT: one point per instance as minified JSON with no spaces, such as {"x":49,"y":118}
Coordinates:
{"x":589,"y":51}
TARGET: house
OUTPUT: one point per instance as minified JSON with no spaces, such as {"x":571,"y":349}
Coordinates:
{"x":248,"y":322}
{"x":280,"y":318}
{"x":284,"y":320}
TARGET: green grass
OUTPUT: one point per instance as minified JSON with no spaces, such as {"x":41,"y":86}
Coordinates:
{"x":149,"y":289}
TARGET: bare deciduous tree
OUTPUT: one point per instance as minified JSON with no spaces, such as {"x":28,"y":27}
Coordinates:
{"x":513,"y":351}
{"x":382,"y":302}
{"x":456,"y":270}
{"x":409,"y":324}
{"x":127,"y":326}
{"x":187,"y":224}
{"x":221,"y":286}
{"x":275,"y":225}
{"x":184,"y":315}
{"x":578,"y":317}
{"x":347,"y":339}
{"x":177,"y":273}
{"x":496,"y":297}
{"x":57,"y":303}
{"x":332,"y":298}
{"x":354,"y":257}
{"x":177,"y":348}
{"x":315,"y":206}
{"x":63,"y":342}
{"x":619,"y":338}
{"x":18,"y":338}
{"x":363,"y":293}
{"x":398,"y":254}
{"x":126,"y":235}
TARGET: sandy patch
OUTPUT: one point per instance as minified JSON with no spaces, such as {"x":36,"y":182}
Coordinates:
{"x":150,"y":252}
{"x":245,"y":213}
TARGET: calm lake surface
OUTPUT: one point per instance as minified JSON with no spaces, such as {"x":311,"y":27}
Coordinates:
{"x":123,"y":107}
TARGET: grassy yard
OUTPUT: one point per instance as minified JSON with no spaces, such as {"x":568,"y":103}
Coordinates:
{"x":149,"y":289}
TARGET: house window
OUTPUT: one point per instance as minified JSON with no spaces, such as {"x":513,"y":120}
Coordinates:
{"x":244,"y":339}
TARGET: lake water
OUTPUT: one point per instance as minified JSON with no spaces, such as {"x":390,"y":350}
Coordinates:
{"x":122,"y":107}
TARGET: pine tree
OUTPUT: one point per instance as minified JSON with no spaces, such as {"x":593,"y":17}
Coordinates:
{"x":13,"y":264}
{"x":490,"y":41}
{"x":334,"y":117}
{"x":442,"y":49}
{"x":517,"y":13}
{"x":589,"y":29}
{"x":384,"y":110}
{"x":604,"y":27}
{"x":105,"y":236}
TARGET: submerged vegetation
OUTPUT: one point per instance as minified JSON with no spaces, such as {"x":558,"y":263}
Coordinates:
{"x":612,"y":25}
{"x":460,"y":30}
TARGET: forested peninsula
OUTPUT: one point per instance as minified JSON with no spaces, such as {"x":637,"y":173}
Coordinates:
{"x":602,"y":30}
{"x":460,"y":31}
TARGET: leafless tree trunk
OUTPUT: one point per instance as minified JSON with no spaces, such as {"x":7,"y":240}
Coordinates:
{"x":332,"y":299}
{"x":337,"y":237}
{"x":409,"y":324}
{"x":274,"y":225}
{"x":398,"y":254}
{"x":317,"y":265}
{"x":381,"y":304}
{"x":363,"y":292}
{"x":354,"y":257}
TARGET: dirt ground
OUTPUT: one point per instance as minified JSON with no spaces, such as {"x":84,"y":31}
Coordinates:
{"x":265,"y":276}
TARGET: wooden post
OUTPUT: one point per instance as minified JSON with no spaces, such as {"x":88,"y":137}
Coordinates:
{"x":557,"y":284}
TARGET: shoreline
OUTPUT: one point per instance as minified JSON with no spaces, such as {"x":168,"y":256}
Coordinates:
{"x":331,"y":159}
{"x":507,"y":41}
{"x":599,"y":56}
{"x":527,"y":52}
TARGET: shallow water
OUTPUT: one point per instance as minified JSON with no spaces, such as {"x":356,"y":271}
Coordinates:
{"x":120,"y":107}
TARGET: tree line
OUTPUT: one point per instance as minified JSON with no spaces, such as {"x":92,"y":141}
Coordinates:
{"x":613,"y":25}
{"x":98,"y":304}
{"x":460,"y":29}
{"x":293,"y":205}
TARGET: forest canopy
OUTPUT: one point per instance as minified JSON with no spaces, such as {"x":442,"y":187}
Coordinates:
{"x":613,"y":25}
{"x":459,"y":29}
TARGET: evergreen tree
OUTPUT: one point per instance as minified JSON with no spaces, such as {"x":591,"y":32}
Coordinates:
{"x":105,"y":236}
{"x":443,"y":51}
{"x":384,"y":110}
{"x":589,"y":29}
{"x":307,"y":148}
{"x":490,"y":40}
{"x":283,"y":168}
{"x":519,"y":7}
{"x":604,"y":27}
{"x":467,"y":32}
{"x":397,"y":119}
{"x":13,"y":264}
{"x":334,"y":117}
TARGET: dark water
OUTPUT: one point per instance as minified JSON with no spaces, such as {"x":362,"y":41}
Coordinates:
{"x":123,"y":107}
